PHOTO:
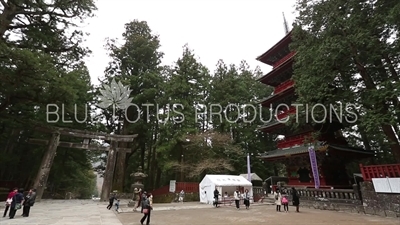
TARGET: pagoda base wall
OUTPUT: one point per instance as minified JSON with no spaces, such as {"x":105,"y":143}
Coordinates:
{"x":364,"y":201}
{"x":380,"y":204}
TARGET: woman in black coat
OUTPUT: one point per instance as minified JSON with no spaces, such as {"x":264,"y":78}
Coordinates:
{"x":296,"y":199}
{"x":16,"y":203}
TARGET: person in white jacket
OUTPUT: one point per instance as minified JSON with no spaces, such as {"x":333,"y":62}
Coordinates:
{"x":236,"y":195}
{"x":278,"y":200}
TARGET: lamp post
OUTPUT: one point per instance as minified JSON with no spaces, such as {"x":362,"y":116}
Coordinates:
{"x":137,"y":186}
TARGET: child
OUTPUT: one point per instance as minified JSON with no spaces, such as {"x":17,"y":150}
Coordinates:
{"x":285,"y":203}
{"x":117,"y":205}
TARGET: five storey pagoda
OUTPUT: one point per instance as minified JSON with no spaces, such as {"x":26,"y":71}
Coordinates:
{"x":322,"y":165}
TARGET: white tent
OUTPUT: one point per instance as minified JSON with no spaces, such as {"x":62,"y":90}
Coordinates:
{"x":224,"y":183}
{"x":253,"y":176}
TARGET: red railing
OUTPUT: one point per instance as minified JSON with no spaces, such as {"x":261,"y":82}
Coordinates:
{"x":283,"y":86}
{"x":292,"y":141}
{"x":187,"y":187}
{"x":284,"y":59}
{"x":380,"y":171}
{"x":286,"y":113}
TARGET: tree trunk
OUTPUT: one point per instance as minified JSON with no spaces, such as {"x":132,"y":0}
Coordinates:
{"x":109,"y":173}
{"x":157,"y":182}
{"x":393,"y":141}
{"x":119,"y":177}
{"x":153,"y":162}
{"x":142,"y":153}
{"x":387,"y":129}
{"x":45,"y":166}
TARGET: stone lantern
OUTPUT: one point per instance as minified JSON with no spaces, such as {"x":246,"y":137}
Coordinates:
{"x":137,"y":186}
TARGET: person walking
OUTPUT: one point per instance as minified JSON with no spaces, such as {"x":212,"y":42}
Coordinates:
{"x":142,"y":200}
{"x":216,"y":196}
{"x":9,"y":200}
{"x":111,"y":201}
{"x":181,"y":196}
{"x":236,"y":196}
{"x":246,"y":199}
{"x":117,"y":206}
{"x":296,"y":199}
{"x":278,"y":200}
{"x":16,"y":203}
{"x":147,"y":207}
{"x":285,"y":202}
{"x":29,"y":201}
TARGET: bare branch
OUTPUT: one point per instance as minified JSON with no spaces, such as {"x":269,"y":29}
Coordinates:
{"x":4,"y":4}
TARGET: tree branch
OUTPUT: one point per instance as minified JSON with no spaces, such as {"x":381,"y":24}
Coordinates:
{"x":4,"y":4}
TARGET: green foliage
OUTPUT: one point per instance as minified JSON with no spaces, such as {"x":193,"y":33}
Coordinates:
{"x":41,"y":65}
{"x":172,"y":136}
{"x":42,"y":70}
{"x":347,"y":54}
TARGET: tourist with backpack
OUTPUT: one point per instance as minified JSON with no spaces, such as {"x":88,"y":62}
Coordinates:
{"x":147,"y":207}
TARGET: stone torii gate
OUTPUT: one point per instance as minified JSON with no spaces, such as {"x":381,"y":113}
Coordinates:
{"x":54,"y":142}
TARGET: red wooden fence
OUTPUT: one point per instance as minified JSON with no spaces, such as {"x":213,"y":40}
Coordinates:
{"x":380,"y":171}
{"x":187,"y":187}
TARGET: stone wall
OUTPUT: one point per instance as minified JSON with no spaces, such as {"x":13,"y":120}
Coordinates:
{"x":331,"y":204}
{"x":381,"y":204}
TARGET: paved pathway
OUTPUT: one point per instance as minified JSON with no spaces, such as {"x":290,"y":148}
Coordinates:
{"x":64,"y":212}
{"x":189,"y":214}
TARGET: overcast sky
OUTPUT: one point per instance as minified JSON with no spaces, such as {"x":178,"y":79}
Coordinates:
{"x":232,"y":30}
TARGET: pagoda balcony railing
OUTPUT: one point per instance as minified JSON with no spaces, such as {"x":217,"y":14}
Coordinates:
{"x":285,"y":85}
{"x":293,"y":141}
{"x":286,"y":113}
{"x":380,"y":171}
{"x":284,"y":59}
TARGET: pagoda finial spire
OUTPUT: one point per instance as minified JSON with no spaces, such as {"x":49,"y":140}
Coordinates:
{"x":285,"y":24}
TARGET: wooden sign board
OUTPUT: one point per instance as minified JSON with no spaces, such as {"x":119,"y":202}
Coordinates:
{"x":172,"y":186}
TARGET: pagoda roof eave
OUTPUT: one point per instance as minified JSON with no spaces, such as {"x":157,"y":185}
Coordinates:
{"x":271,"y":125}
{"x":300,"y":150}
{"x":264,"y":57}
{"x":264,"y":79}
{"x":277,"y":96}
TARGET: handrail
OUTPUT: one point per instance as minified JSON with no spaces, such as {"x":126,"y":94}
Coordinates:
{"x":328,"y":194}
{"x":292,"y":141}
{"x":284,"y":59}
{"x":285,"y":113}
{"x":283,"y":86}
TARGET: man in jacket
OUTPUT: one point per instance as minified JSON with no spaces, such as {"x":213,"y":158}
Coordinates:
{"x":111,"y":201}
{"x":29,"y":201}
{"x":18,"y":198}
{"x":216,"y":196}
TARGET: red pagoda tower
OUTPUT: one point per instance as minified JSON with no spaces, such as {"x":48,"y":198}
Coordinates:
{"x":328,"y":158}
